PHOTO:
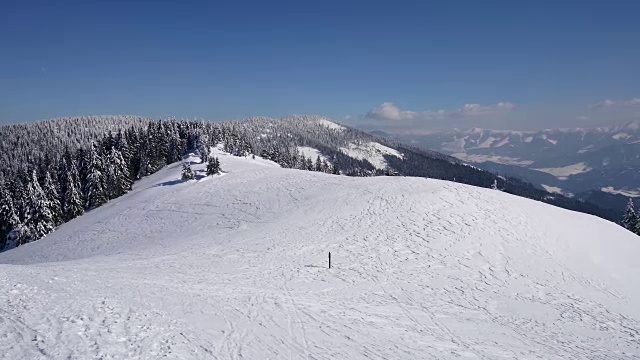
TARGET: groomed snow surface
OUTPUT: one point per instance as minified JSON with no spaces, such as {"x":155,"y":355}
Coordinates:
{"x":236,"y":267}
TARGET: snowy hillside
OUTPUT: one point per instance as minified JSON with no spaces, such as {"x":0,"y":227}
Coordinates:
{"x":234,"y":266}
{"x":373,"y":152}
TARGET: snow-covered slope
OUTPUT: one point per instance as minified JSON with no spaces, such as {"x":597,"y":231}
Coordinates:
{"x":311,"y":153}
{"x":373,"y":152}
{"x":234,"y":266}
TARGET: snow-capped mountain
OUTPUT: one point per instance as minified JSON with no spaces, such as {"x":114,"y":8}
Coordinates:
{"x":563,"y":160}
{"x":234,"y":266}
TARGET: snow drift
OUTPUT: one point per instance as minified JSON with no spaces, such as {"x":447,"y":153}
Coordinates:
{"x":234,"y":266}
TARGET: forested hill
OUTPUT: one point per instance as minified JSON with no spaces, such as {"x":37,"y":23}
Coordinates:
{"x":53,"y":171}
{"x":25,"y":144}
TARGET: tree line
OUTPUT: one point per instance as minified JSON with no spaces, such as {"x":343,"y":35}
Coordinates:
{"x":631,"y":219}
{"x":56,"y":188}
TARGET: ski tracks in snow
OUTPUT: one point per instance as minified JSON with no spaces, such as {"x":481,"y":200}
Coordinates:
{"x":235,"y":268}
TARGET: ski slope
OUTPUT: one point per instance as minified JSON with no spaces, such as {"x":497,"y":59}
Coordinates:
{"x":234,"y":267}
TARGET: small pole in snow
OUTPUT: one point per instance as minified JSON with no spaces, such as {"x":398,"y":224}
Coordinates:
{"x":329,"y":259}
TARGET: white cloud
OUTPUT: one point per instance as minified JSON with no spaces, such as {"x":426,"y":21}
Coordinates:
{"x":477,"y":109}
{"x":608,"y":103}
{"x":389,"y":111}
{"x":582,"y":118}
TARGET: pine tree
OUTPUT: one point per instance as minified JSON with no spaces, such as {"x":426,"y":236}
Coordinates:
{"x":201,"y":147}
{"x":95,"y":190}
{"x":213,"y":167}
{"x":63,"y":172}
{"x":73,"y":197}
{"x":8,"y":216}
{"x":82,"y":165}
{"x":325,"y":166}
{"x":122,"y":144}
{"x":38,"y":216}
{"x":318,"y":164}
{"x":51,"y":192}
{"x":187,"y":173}
{"x":494,"y":186}
{"x":118,"y":182}
{"x":630,"y":218}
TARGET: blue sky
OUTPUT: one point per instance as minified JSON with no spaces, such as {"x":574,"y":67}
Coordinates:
{"x":395,"y":65}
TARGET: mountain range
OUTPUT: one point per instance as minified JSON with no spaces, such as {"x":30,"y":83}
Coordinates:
{"x":577,"y":162}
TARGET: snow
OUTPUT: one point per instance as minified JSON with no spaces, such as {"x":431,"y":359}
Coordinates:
{"x":235,"y":267}
{"x":528,"y":139}
{"x":568,"y":170}
{"x":634,"y":125}
{"x":331,"y":124}
{"x":502,"y":142}
{"x":457,"y":145}
{"x":552,"y":189}
{"x":487,"y":143}
{"x":625,"y":192}
{"x":585,"y":149}
{"x":621,"y":135}
{"x":373,"y":152}
{"x":310,"y":152}
{"x":478,"y":158}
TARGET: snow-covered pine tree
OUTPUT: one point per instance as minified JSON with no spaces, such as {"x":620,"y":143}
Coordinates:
{"x":95,"y":190}
{"x":38,"y":217}
{"x":53,"y":198}
{"x":494,"y":186}
{"x":142,"y":158}
{"x":202,"y":148}
{"x":82,"y":165}
{"x":8,"y":216}
{"x":161,"y":145}
{"x":122,"y":144}
{"x":318,"y":164}
{"x":325,"y":166}
{"x":630,"y":217}
{"x":118,"y":182}
{"x":174,"y":151}
{"x":73,"y":206}
{"x":300,"y":162}
{"x":187,"y":173}
{"x":62,"y":173}
{"x":213,"y":167}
